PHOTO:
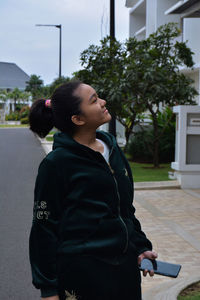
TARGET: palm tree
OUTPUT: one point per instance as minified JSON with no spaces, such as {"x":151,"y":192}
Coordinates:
{"x":34,"y":85}
{"x":15,"y":94}
{"x":3,"y":95}
{"x":3,"y":98}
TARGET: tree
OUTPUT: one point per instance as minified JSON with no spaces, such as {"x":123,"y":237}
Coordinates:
{"x":139,"y":76}
{"x":39,"y":90}
{"x":153,"y":73}
{"x":3,"y":95}
{"x":58,"y":81}
{"x":25,"y":96}
{"x":34,"y":86}
{"x":16,"y":95}
{"x":104,"y":69}
{"x":102,"y":66}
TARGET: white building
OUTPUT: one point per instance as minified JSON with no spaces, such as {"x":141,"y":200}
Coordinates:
{"x":145,"y":17}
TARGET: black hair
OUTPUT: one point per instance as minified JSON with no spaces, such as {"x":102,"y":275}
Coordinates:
{"x":64,"y":104}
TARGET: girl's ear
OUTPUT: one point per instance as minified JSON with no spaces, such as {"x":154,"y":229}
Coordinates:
{"x":76,"y":119}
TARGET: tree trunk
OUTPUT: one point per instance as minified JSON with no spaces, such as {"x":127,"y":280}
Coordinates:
{"x":128,"y":131}
{"x":156,"y":154}
{"x":127,"y":135}
{"x":156,"y":143}
{"x":15,"y":103}
{"x":156,"y":137}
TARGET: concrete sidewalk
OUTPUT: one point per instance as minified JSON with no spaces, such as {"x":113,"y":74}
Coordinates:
{"x":170,"y":217}
{"x":156,"y":185}
{"x":171,"y":220}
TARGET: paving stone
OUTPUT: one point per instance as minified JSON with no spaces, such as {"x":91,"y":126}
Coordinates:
{"x":171,"y":220}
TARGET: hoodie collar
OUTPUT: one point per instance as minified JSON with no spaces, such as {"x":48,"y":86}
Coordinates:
{"x":65,"y":140}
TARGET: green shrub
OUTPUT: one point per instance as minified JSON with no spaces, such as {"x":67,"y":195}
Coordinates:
{"x":24,"y":120}
{"x":24,"y":112}
{"x":21,"y":112}
{"x":13,"y":116}
{"x":18,"y":107}
{"x":140,"y":147}
{"x":137,"y":147}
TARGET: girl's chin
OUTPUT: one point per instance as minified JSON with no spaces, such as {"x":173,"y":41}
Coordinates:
{"x":108,"y":118}
{"x":107,"y":114}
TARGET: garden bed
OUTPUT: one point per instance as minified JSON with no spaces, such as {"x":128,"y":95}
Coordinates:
{"x":192,"y":292}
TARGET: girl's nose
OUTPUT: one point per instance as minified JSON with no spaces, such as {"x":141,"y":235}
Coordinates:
{"x":103,"y":102}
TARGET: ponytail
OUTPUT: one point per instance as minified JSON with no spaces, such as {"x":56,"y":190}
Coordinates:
{"x":41,"y":118}
{"x":57,"y":112}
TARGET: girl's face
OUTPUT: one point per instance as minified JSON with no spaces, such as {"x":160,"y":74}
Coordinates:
{"x":93,"y":110}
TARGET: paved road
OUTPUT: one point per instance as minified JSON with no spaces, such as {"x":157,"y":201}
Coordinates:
{"x":20,"y":155}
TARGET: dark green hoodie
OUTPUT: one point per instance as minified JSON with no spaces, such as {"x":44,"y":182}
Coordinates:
{"x":82,"y":205}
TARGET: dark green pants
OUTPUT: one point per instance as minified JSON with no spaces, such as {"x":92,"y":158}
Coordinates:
{"x":92,"y":279}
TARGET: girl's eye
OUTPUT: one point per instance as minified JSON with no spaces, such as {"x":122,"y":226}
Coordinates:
{"x":95,"y":100}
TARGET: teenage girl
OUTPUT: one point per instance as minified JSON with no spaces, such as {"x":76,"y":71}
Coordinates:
{"x":85,"y":239}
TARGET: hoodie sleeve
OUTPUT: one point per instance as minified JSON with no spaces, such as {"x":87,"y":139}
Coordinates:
{"x":43,"y":243}
{"x":138,"y":237}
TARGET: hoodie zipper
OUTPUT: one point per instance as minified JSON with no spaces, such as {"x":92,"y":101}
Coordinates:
{"x":119,"y":201}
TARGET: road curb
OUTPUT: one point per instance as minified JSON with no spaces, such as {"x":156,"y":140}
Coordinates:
{"x":157,"y":185}
{"x":170,"y":290}
{"x":47,"y":146}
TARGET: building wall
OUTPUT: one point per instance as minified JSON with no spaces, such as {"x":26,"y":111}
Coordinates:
{"x":195,"y":75}
{"x":137,"y":18}
{"x":151,"y":17}
{"x":162,"y":6}
{"x":191,"y":27}
{"x":155,"y":15}
{"x":150,"y":14}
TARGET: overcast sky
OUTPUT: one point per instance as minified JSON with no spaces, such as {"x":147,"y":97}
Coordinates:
{"x":36,"y":49}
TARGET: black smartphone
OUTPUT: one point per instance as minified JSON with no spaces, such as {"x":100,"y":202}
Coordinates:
{"x":160,"y":267}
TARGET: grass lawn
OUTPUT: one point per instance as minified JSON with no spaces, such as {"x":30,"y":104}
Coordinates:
{"x":146,"y":172}
{"x":190,"y":297}
{"x":52,"y":132}
{"x":190,"y":293}
{"x":10,"y":126}
{"x":49,"y":138}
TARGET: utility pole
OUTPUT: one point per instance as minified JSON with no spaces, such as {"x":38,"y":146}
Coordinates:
{"x":60,"y":47}
{"x":112,"y":18}
{"x":112,"y":124}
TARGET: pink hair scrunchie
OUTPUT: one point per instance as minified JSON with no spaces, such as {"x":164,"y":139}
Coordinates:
{"x":48,"y":103}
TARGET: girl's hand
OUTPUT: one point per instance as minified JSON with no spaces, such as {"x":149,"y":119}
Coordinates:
{"x":150,"y":255}
{"x":51,"y":298}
